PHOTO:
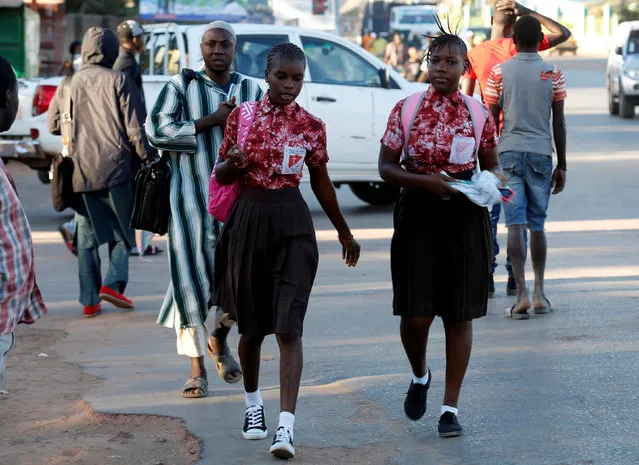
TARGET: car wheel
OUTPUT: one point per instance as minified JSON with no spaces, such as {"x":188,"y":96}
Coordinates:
{"x":43,"y":176}
{"x":375,"y":193}
{"x":626,"y":106}
{"x":613,"y":107}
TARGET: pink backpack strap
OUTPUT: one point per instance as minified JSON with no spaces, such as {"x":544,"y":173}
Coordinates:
{"x":479,"y":117}
{"x":247,"y":115}
{"x":409,"y":111}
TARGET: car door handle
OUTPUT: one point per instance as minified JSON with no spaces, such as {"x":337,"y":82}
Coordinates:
{"x":324,"y":99}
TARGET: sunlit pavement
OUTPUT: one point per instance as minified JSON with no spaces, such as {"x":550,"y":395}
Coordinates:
{"x":558,"y":389}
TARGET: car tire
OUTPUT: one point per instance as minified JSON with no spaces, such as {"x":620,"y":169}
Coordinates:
{"x":626,"y":106}
{"x":43,"y":176}
{"x":613,"y":107}
{"x":375,"y":193}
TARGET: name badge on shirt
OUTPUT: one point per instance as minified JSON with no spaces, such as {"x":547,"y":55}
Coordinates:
{"x":293,"y":160}
{"x":462,"y":150}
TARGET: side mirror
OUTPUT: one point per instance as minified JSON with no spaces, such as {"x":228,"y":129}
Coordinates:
{"x":619,"y":50}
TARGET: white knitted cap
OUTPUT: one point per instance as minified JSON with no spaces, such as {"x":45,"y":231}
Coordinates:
{"x":220,"y":25}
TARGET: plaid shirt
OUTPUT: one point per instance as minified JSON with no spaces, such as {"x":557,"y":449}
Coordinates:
{"x":20,"y":298}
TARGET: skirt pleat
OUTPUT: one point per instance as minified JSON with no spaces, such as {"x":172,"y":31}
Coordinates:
{"x":441,"y":254}
{"x":265,"y":262}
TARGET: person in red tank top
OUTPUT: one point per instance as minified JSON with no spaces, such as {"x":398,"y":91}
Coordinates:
{"x":483,"y":59}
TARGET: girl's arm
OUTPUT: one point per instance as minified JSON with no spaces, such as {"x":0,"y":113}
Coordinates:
{"x":325,"y":192}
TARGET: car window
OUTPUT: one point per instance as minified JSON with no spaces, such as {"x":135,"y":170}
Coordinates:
{"x":250,"y":58}
{"x":153,"y":59}
{"x":331,"y":63}
{"x":173,"y":64}
{"x":633,"y":43}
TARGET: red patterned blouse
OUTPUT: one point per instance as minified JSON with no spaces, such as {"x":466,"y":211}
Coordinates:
{"x":280,"y":141}
{"x":442,"y":137}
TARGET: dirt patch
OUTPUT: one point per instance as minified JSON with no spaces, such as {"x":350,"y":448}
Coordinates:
{"x":44,"y":420}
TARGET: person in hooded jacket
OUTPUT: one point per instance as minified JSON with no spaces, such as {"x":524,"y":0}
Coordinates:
{"x":107,"y":135}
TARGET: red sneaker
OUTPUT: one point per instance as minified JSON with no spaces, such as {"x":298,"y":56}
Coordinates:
{"x":91,"y":310}
{"x":109,"y":295}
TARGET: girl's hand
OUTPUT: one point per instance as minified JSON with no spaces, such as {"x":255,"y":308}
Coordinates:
{"x":439,"y":185}
{"x":235,"y":157}
{"x":350,"y":250}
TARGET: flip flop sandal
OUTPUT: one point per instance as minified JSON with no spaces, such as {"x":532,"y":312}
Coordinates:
{"x":517,"y":315}
{"x":196,"y":382}
{"x":226,"y":366}
{"x":544,"y":310}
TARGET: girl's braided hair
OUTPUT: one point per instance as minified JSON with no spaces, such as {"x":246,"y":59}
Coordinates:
{"x":285,"y":50}
{"x":447,"y":37}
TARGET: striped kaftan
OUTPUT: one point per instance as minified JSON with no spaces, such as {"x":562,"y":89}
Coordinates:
{"x":170,"y":127}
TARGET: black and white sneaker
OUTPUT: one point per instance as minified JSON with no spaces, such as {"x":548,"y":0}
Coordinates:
{"x":449,"y":427}
{"x":415,"y":403}
{"x":282,"y":446}
{"x":254,"y":423}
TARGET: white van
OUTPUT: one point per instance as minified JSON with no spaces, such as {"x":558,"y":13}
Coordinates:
{"x":347,"y":87}
{"x":622,"y":71}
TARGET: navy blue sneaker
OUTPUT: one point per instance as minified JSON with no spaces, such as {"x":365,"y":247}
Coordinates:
{"x":415,"y":403}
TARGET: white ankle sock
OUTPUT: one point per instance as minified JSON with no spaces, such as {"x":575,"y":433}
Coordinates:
{"x":423,"y":380}
{"x":447,"y":408}
{"x":287,"y":420}
{"x":253,"y":398}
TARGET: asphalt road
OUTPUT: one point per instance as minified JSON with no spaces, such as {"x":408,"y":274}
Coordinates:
{"x":559,"y":390}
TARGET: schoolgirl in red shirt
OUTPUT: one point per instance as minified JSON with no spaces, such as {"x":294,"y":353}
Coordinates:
{"x":441,"y":249}
{"x":266,"y":256}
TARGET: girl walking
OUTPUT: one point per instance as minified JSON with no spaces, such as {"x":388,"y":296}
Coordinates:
{"x":442,"y":246}
{"x":266,"y":256}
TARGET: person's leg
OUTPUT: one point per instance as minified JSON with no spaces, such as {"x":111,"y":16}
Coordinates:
{"x":291,"y":362}
{"x":414,"y":335}
{"x":254,"y":422}
{"x":192,"y":343}
{"x":118,"y":274}
{"x":218,"y":348}
{"x":6,"y":342}
{"x":495,"y":213}
{"x":88,"y":263}
{"x":459,"y":342}
{"x":517,"y":253}
{"x":540,"y":184}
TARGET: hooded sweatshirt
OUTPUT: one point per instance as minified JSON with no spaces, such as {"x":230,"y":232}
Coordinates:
{"x":108,"y":118}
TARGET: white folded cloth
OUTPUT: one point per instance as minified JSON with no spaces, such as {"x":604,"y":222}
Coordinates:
{"x":482,"y":189}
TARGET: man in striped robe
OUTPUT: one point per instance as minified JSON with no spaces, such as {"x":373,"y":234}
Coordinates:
{"x":187,"y":121}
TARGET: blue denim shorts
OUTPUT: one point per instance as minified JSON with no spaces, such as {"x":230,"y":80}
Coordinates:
{"x":530,"y":177}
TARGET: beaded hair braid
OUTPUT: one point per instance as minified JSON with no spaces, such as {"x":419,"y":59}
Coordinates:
{"x":285,"y":50}
{"x":447,"y":37}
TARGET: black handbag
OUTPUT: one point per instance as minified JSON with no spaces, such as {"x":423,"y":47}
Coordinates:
{"x":62,"y":165}
{"x":152,"y":205}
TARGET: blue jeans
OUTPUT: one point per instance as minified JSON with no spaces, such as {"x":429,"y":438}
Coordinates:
{"x":89,"y":263}
{"x":530,"y":177}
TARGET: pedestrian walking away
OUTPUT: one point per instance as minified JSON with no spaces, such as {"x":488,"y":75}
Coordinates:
{"x":187,"y":123}
{"x":441,"y":247}
{"x":107,"y":136}
{"x":483,"y":59}
{"x":131,"y":37}
{"x":528,"y":91}
{"x":267,"y":256}
{"x":20,"y":298}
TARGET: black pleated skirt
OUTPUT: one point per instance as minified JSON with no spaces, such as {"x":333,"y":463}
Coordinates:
{"x":441,"y":254}
{"x":265,"y":262}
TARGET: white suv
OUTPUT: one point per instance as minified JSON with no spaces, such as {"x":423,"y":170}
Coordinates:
{"x":347,"y":87}
{"x":622,"y":71}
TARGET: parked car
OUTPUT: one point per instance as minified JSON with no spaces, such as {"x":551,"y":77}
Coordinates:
{"x":622,"y":71}
{"x":347,"y":87}
{"x":568,"y":46}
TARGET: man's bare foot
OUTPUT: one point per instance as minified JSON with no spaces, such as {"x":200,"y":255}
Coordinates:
{"x":198,"y":372}
{"x":541,"y":304}
{"x":227,"y":367}
{"x":519,"y":311}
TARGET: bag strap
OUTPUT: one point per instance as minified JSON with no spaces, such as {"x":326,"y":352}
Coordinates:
{"x":408,"y":114}
{"x":479,"y":118}
{"x":246,"y":117}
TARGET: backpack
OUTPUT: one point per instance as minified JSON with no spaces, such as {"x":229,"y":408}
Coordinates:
{"x":477,"y":111}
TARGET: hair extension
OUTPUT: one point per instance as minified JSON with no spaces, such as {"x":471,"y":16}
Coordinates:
{"x":447,"y":37}
{"x":285,"y":50}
